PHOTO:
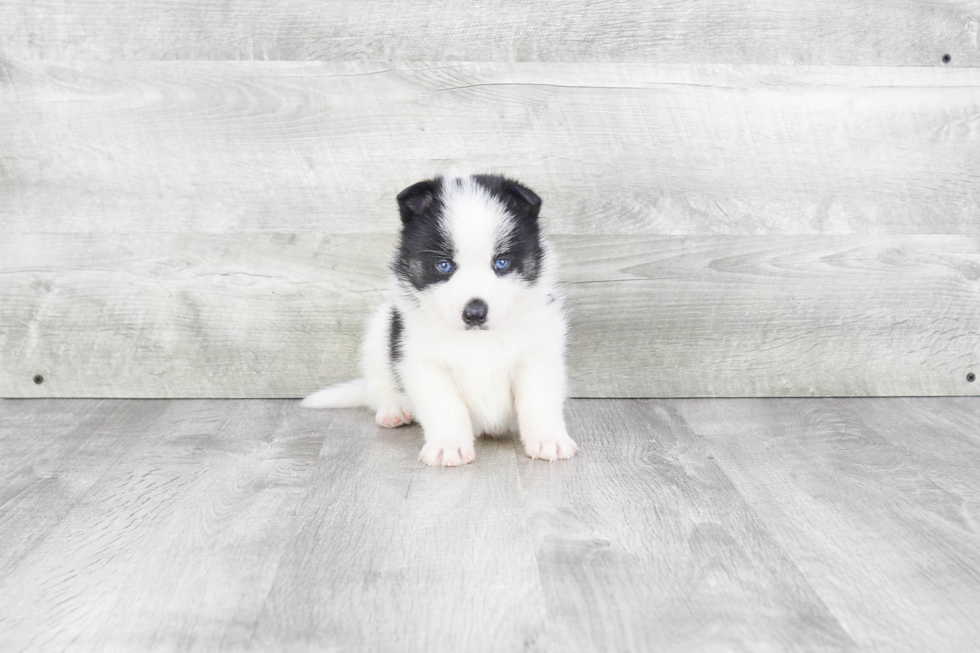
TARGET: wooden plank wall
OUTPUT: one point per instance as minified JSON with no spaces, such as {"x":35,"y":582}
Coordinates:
{"x":750,"y":199}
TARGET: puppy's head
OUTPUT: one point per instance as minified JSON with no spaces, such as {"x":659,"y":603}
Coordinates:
{"x":470,"y":248}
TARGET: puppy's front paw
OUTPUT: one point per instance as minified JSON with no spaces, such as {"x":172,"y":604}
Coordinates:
{"x":448,"y":454}
{"x":392,"y":416}
{"x":550,"y":447}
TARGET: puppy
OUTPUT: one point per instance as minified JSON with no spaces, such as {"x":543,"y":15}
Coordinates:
{"x":472,"y":338}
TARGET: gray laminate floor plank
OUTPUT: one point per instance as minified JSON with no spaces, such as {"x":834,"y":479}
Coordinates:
{"x":874,"y":530}
{"x":395,"y":556}
{"x":175,"y":546}
{"x":51,"y":454}
{"x":682,"y":525}
{"x":941,"y":437}
{"x":644,"y":544}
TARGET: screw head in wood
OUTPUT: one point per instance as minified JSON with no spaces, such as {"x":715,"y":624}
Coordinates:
{"x":38,"y":379}
{"x":971,"y":377}
{"x":947,"y":58}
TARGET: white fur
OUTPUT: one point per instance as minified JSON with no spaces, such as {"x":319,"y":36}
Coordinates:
{"x":343,"y":395}
{"x":461,"y":383}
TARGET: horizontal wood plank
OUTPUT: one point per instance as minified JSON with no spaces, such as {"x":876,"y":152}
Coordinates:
{"x":613,"y":148}
{"x":747,"y":31}
{"x":279,"y":315}
{"x":763,"y":316}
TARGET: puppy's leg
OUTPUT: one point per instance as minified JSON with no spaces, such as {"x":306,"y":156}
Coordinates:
{"x":539,"y":395}
{"x":441,"y":411}
{"x":391,"y":405}
{"x":393,"y":414}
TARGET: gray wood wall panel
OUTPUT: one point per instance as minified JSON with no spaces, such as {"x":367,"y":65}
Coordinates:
{"x":279,"y":315}
{"x":613,"y":149}
{"x":846,"y":32}
{"x":768,"y":316}
{"x":746,"y":227}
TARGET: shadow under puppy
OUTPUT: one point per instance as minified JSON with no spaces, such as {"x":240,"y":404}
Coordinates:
{"x":471,"y":340}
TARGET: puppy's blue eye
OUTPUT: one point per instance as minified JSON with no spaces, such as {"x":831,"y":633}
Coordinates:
{"x":501,"y":264}
{"x":444,"y":266}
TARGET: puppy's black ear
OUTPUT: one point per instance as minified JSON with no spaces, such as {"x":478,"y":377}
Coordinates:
{"x":523,"y":197}
{"x":416,"y":200}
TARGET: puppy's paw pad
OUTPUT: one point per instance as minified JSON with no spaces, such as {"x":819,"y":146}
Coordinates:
{"x":393,"y":416}
{"x":452,"y":455}
{"x":550,"y":447}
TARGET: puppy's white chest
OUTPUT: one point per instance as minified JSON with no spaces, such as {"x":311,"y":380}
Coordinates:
{"x":486,"y":385}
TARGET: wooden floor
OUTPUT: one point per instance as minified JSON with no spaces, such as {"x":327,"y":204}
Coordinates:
{"x":682,"y":525}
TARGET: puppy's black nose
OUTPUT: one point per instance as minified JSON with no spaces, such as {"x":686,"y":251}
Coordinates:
{"x":475,"y":313}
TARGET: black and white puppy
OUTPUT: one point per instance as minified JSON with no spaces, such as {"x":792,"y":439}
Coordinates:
{"x":471,"y":340}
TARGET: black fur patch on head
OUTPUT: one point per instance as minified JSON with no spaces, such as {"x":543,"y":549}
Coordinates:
{"x":523,"y":244}
{"x":423,"y":243}
{"x":418,"y":198}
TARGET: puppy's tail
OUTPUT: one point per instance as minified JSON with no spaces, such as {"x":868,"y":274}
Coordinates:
{"x":343,"y":395}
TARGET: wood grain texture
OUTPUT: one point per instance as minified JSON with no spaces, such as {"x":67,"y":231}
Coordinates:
{"x":765,"y":316}
{"x":645,"y":533}
{"x":185,"y":315}
{"x":940,"y":439}
{"x":751,"y":31}
{"x":393,"y":555}
{"x":886,"y":546}
{"x":51,"y":456}
{"x":681,"y":525}
{"x":613,"y":148}
{"x":279,"y":315}
{"x":177,"y":543}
